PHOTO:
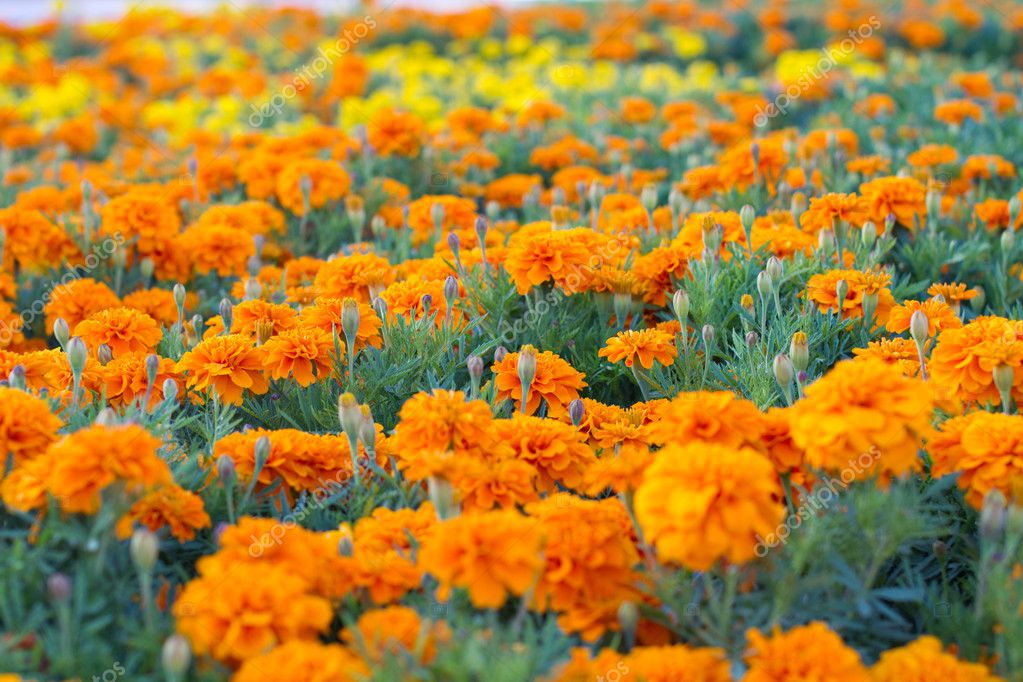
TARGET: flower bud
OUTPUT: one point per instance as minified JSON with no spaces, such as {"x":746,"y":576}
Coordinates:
{"x":437,"y":214}
{"x":226,"y":312}
{"x":499,"y":353}
{"x":261,"y":452}
{"x":345,"y":546}
{"x":146,"y":268}
{"x":474,"y":364}
{"x":144,"y":549}
{"x":1004,"y":378}
{"x":746,"y":303}
{"x":764,"y":284}
{"x":61,"y":332}
{"x":628,"y":619}
{"x":680,"y":305}
{"x":450,"y":291}
{"x":783,"y":370}
{"x":919,"y":326}
{"x":264,"y":330}
{"x":775,"y":268}
{"x":481,"y":229}
{"x":442,"y":496}
{"x":826,"y":240}
{"x":226,"y":470}
{"x":16,"y":379}
{"x":868,"y":233}
{"x":978,"y":301}
{"x":492,"y":210}
{"x":526,"y":368}
{"x":940,"y":549}
{"x":350,"y":320}
{"x":367,"y":429}
{"x":1008,"y":240}
{"x":380,"y":306}
{"x":576,"y":411}
{"x":58,"y":587}
{"x":993,"y":516}
{"x":799,"y":351}
{"x":104,"y":354}
{"x":869,"y":305}
{"x":170,"y":390}
{"x":841,"y":293}
{"x":253,"y":289}
{"x":425,"y":302}
{"x":752,"y":339}
{"x":708,"y":335}
{"x":106,"y":417}
{"x":747,"y":214}
{"x":349,"y":415}
{"x":77,"y":355}
{"x":648,"y":197}
{"x":179,"y":299}
{"x":176,"y":656}
{"x":152,"y":367}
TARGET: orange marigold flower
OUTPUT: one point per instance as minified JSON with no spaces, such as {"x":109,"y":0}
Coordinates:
{"x":77,"y":300}
{"x":702,"y":502}
{"x":226,"y":364}
{"x":124,"y":330}
{"x":985,"y":449}
{"x":924,"y":659}
{"x":82,"y":464}
{"x":327,"y":182}
{"x":538,"y":255}
{"x":149,"y":218}
{"x":27,"y":426}
{"x":396,"y":631}
{"x":827,"y":210}
{"x":898,"y":351}
{"x":435,"y":215}
{"x":865,"y":418}
{"x":303,"y":661}
{"x":405,"y":298}
{"x":718,"y":417}
{"x":807,"y":652}
{"x":822,"y":290}
{"x":491,"y":554}
{"x":646,"y":345}
{"x":238,"y":615}
{"x":963,"y":359}
{"x":954,"y":112}
{"x":395,"y":133}
{"x":167,"y":506}
{"x":248,"y":317}
{"x":157,"y":303}
{"x":558,"y":451}
{"x":218,"y":248}
{"x":556,"y":383}
{"x":905,"y":198}
{"x":940,"y":316}
{"x":360,"y":275}
{"x":444,"y":421}
{"x":297,"y":352}
{"x":647,"y":663}
{"x":325,"y":314}
{"x":931,"y":155}
{"x":954,"y":293}
{"x":126,"y":379}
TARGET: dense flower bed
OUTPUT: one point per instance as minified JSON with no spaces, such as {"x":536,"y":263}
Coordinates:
{"x":663,"y":342}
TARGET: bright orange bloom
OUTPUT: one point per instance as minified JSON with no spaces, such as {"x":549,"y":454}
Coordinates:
{"x":940,"y":316}
{"x":303,"y":661}
{"x":955,"y":111}
{"x":396,"y":631}
{"x":646,"y":345}
{"x":296,"y":352}
{"x":251,"y":318}
{"x":327,"y":182}
{"x":492,"y":555}
{"x":700,"y":503}
{"x":394,"y":133}
{"x":925,"y":659}
{"x":303,"y":461}
{"x":558,"y":451}
{"x":822,"y":290}
{"x":126,"y":379}
{"x":124,"y":330}
{"x":361,"y":275}
{"x":963,"y":359}
{"x":167,"y":506}
{"x":825,"y":211}
{"x":325,"y":314}
{"x":905,"y":198}
{"x":718,"y":417}
{"x":27,"y":426}
{"x":863,"y":418}
{"x":806,"y":652}
{"x":898,"y":351}
{"x":228,"y":365}
{"x":985,"y":449}
{"x":218,"y":248}
{"x":432,"y":215}
{"x":556,"y":383}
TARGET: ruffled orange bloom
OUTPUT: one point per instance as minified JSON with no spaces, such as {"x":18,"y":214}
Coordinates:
{"x":492,"y":555}
{"x":985,"y":449}
{"x":303,"y":461}
{"x":432,"y":215}
{"x":647,"y":664}
{"x":863,"y":418}
{"x":931,"y":155}
{"x":898,"y":351}
{"x":256,"y":317}
{"x":556,"y":383}
{"x":167,"y":506}
{"x":27,"y":426}
{"x":297,"y":352}
{"x":325,"y":314}
{"x":827,"y":210}
{"x":80,"y":466}
{"x":126,"y":379}
{"x":157,"y":303}
{"x":228,"y":365}
{"x":807,"y":652}
{"x":905,"y":198}
{"x":218,"y":248}
{"x":34,"y":243}
{"x":925,"y":659}
{"x":238,"y":612}
{"x":396,"y":631}
{"x":558,"y":451}
{"x":703,"y":502}
{"x":822,"y":290}
{"x":591,"y":555}
{"x":954,"y":293}
{"x":394,"y":133}
{"x":327,"y":182}
{"x":303,"y":661}
{"x":510,"y":190}
{"x":77,"y":300}
{"x":940,"y":316}
{"x":147,"y":217}
{"x":659,"y":270}
{"x":645,"y":345}
{"x":955,"y":111}
{"x":987,"y":166}
{"x":360,"y":275}
{"x":124,"y":330}
{"x":713,"y":417}
{"x":405,"y":298}
{"x":963,"y":359}
{"x":538,"y":255}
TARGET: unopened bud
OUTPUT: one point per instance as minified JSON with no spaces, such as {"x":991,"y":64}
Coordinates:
{"x":61,"y":332}
{"x":450,"y":291}
{"x":783,"y":370}
{"x":367,"y":429}
{"x":708,"y":335}
{"x":499,"y":353}
{"x":526,"y":368}
{"x":993,"y":516}
{"x":261,"y":452}
{"x":680,"y":305}
{"x":764,"y":284}
{"x":176,"y":656}
{"x":144,"y":549}
{"x":442,"y":496}
{"x":226,"y":470}
{"x":349,"y":415}
{"x":58,"y":587}
{"x":226,"y":312}
{"x":179,"y":299}
{"x":747,"y":214}
{"x":868,"y":233}
{"x":628,"y":619}
{"x":752,"y":339}
{"x":77,"y":355}
{"x":775,"y":268}
{"x":170,"y":390}
{"x":919,"y":326}
{"x":799,"y":351}
{"x":16,"y":379}
{"x":104,"y":354}
{"x":576,"y":411}
{"x":841,"y":293}
{"x":350,"y":320}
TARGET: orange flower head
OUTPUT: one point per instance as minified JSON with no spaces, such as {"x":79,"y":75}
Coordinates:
{"x":27,"y":426}
{"x":297,"y":352}
{"x":925,"y":659}
{"x":646,"y":345}
{"x":807,"y":652}
{"x":125,"y":330}
{"x":556,"y":383}
{"x":168,"y":506}
{"x":229,"y":365}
